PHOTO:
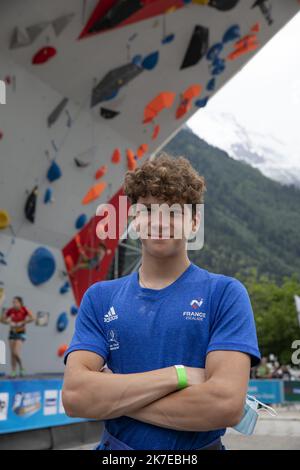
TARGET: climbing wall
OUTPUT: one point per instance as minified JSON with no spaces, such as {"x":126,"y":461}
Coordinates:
{"x":92,"y":89}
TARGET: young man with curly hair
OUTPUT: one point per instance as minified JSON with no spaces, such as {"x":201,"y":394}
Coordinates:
{"x":177,"y":340}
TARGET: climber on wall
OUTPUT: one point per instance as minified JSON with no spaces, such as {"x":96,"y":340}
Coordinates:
{"x":17,"y":317}
{"x":89,"y":257}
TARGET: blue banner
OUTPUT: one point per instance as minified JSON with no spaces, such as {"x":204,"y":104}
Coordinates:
{"x":268,"y":391}
{"x":31,"y":404}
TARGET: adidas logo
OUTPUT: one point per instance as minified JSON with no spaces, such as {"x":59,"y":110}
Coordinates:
{"x":194,"y":303}
{"x":110,"y":315}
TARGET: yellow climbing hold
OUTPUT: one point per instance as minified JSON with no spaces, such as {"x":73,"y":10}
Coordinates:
{"x":4,"y":219}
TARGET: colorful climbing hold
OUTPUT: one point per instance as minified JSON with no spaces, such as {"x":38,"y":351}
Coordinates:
{"x":108,"y":113}
{"x":80,"y":221}
{"x":100,"y":172}
{"x":197,"y":47}
{"x":156,"y":131}
{"x":44,"y":55}
{"x":202,"y":102}
{"x":214,"y":51}
{"x":64,"y":288}
{"x":211,"y":84}
{"x":48,"y":197}
{"x":41,"y":266}
{"x":232,"y":34}
{"x":150,"y":61}
{"x":73,"y":310}
{"x":61,"y":350}
{"x":4,"y":219}
{"x":62,"y":322}
{"x":131,"y":162}
{"x":167,"y":39}
{"x":143,"y":148}
{"x":54,"y":172}
{"x":116,"y":156}
{"x":94,"y":192}
{"x":163,"y":100}
{"x":30,"y":205}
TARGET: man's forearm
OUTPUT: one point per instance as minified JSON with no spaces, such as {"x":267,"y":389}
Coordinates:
{"x":95,"y":395}
{"x":202,"y":407}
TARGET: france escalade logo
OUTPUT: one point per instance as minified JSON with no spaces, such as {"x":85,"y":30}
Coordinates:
{"x":195,"y":304}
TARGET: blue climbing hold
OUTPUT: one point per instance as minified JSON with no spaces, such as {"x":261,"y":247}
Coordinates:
{"x":186,"y":2}
{"x":41,"y":266}
{"x":74,"y":310}
{"x":112,"y":95}
{"x":62,"y":322}
{"x":232,"y":34}
{"x":167,"y":39}
{"x":54,"y":172}
{"x":202,"y":103}
{"x":137,"y":59}
{"x":211,"y":85}
{"x":81,"y":221}
{"x":218,"y":66}
{"x":65,"y":288}
{"x":150,"y":61}
{"x":48,"y":196}
{"x":214,"y":51}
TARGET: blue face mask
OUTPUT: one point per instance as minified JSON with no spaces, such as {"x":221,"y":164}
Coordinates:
{"x":250,"y":416}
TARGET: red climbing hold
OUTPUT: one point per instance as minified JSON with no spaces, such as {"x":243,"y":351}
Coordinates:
{"x":44,"y":55}
{"x":100,"y":172}
{"x":116,"y":156}
{"x":155,"y":132}
{"x":131,"y":162}
{"x":143,"y":148}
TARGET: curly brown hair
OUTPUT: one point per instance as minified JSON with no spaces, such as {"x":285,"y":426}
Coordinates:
{"x":172,"y":179}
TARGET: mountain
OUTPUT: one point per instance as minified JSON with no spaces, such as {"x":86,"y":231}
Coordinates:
{"x":274,"y":158}
{"x":250,"y":220}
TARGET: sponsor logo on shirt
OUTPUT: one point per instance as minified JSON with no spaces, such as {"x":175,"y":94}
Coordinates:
{"x":110,"y":315}
{"x":113,"y":340}
{"x":195,"y":315}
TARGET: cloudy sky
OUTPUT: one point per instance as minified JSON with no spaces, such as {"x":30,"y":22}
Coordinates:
{"x":268,"y":91}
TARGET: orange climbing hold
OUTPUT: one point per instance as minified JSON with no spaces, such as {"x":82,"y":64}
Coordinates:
{"x":246,"y":41}
{"x":255,"y":28}
{"x":183,"y":108}
{"x":116,"y":156}
{"x":100,"y":172}
{"x":61,"y":350}
{"x":142,"y":150}
{"x":163,"y":100}
{"x":94,"y":192}
{"x":186,"y":100}
{"x":131,"y":161}
{"x":192,"y":92}
{"x":242,"y":50}
{"x":156,"y":131}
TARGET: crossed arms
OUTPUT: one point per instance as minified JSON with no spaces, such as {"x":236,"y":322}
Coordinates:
{"x":214,"y":398}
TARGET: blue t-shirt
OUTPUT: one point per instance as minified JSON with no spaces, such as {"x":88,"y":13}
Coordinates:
{"x":137,"y":329}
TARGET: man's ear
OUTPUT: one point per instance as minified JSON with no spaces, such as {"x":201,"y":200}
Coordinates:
{"x":196,"y":222}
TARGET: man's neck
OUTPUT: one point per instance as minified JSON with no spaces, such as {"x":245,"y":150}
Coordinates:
{"x":157,"y":273}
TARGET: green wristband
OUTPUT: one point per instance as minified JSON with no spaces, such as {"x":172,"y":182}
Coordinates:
{"x":182,"y":376}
